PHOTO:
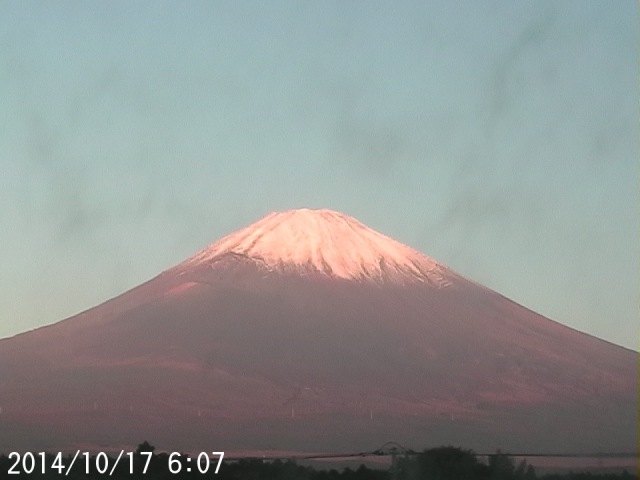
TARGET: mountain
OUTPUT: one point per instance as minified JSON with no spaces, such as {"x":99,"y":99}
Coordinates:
{"x":308,"y":331}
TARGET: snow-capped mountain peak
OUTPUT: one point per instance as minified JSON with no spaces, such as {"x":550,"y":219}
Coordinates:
{"x":327,"y":242}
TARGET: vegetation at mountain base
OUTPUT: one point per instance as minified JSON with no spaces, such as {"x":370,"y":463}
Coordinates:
{"x":442,"y":463}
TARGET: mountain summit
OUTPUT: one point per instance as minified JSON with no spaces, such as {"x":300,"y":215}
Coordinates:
{"x":324,"y":241}
{"x":309,"y":332}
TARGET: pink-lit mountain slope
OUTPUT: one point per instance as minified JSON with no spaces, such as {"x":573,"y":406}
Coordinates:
{"x":308,"y":331}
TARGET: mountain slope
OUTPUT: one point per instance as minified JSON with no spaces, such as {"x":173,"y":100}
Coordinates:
{"x":309,"y":331}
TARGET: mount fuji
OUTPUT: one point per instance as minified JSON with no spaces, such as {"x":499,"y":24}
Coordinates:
{"x":309,"y":332}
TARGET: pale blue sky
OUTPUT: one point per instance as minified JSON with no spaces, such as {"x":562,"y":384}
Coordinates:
{"x":500,"y":138}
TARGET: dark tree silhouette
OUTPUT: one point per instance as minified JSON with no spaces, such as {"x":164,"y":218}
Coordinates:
{"x":145,"y":447}
{"x":443,"y":463}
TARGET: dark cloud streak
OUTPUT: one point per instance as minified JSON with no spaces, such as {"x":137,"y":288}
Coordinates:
{"x":507,"y":81}
{"x":483,"y":195}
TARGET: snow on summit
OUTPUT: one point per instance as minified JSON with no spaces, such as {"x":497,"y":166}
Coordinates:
{"x":327,"y":242}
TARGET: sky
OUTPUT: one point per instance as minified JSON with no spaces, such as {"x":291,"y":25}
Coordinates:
{"x":498,"y":137}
